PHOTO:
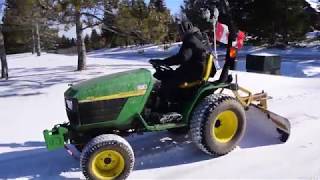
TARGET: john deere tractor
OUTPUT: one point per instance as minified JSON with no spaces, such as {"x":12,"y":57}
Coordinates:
{"x":104,"y":110}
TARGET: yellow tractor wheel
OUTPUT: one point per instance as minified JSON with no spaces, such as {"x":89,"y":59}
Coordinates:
{"x":107,"y":157}
{"x":224,"y":126}
{"x":218,"y":124}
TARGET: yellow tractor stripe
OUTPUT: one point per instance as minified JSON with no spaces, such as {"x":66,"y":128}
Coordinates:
{"x":115,"y":96}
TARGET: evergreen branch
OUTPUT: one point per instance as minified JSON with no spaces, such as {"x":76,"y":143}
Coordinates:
{"x":91,"y":15}
{"x":92,"y":25}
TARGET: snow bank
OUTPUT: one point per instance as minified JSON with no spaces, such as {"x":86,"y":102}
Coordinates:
{"x":315,"y":4}
{"x":312,"y":35}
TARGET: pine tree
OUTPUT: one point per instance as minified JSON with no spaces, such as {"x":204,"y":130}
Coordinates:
{"x":82,"y":14}
{"x":159,"y":5}
{"x":193,"y":11}
{"x":108,"y":32}
{"x":65,"y":42}
{"x":172,"y":30}
{"x":268,"y":21}
{"x":96,"y":40}
{"x":129,"y":25}
{"x":158,"y":25}
{"x":135,"y":22}
{"x":15,"y":34}
{"x":287,"y":22}
{"x":87,"y":42}
{"x":139,"y":11}
{"x":25,"y":21}
{"x":73,"y":42}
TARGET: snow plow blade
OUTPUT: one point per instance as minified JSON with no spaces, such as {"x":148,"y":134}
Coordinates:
{"x":270,"y":122}
{"x":261,"y":120}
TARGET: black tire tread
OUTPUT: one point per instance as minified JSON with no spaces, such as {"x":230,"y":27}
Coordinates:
{"x":106,"y":140}
{"x":199,"y":117}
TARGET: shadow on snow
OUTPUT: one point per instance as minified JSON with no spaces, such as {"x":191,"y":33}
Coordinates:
{"x":36,"y":164}
{"x":152,"y":150}
{"x":33,"y":81}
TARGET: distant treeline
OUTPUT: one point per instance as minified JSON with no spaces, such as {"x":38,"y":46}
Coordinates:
{"x":265,"y":21}
{"x":33,"y":25}
{"x":121,"y":22}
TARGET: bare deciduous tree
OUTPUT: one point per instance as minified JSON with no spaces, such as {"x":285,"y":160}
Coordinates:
{"x":4,"y":64}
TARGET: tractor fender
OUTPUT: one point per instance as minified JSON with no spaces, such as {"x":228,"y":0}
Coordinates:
{"x":204,"y":91}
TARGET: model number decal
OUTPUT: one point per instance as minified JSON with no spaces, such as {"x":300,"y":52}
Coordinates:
{"x":142,"y":87}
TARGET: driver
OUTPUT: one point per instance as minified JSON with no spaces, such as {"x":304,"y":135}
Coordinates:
{"x":190,"y":59}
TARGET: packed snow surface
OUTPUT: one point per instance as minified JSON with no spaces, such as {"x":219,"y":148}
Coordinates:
{"x":32,"y":100}
{"x":263,"y":54}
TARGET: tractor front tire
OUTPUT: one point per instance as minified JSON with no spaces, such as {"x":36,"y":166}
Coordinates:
{"x":218,"y":124}
{"x":107,"y":157}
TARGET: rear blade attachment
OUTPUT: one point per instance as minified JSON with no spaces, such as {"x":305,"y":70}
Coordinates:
{"x":280,"y":124}
{"x":261,"y":121}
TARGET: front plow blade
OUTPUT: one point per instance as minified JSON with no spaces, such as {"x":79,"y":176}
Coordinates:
{"x":266,"y":127}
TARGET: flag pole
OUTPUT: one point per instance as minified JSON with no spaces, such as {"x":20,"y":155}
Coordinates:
{"x":215,"y":20}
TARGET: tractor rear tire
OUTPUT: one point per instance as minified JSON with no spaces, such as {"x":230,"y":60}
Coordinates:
{"x":107,"y":157}
{"x":79,"y":147}
{"x":218,"y":124}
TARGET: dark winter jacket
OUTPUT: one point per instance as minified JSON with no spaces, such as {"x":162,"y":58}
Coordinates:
{"x":191,"y":57}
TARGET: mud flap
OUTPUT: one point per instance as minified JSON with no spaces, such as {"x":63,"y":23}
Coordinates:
{"x":265,"y":128}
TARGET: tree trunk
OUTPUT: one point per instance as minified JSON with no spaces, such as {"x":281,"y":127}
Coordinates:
{"x":286,"y":24}
{"x":38,"y":44}
{"x":273,"y":38}
{"x":33,"y":42}
{"x":81,"y":47}
{"x":4,"y":64}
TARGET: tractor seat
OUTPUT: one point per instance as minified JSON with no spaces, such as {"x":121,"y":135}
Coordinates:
{"x":205,"y":76}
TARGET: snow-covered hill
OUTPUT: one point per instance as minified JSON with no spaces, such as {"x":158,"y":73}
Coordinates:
{"x":32,"y":100}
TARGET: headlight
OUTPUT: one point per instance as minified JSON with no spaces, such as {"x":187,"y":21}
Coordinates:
{"x":69,"y":104}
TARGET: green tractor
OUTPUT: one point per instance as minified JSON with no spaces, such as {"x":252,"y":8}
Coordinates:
{"x":104,"y":110}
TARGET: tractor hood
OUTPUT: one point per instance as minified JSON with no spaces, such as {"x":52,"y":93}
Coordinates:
{"x":119,"y":85}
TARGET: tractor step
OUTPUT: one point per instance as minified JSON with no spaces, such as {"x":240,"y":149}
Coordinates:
{"x":171,"y":117}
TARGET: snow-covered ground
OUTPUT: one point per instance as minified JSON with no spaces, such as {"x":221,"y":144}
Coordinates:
{"x":32,"y":100}
{"x":315,"y":4}
{"x":313,"y":34}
